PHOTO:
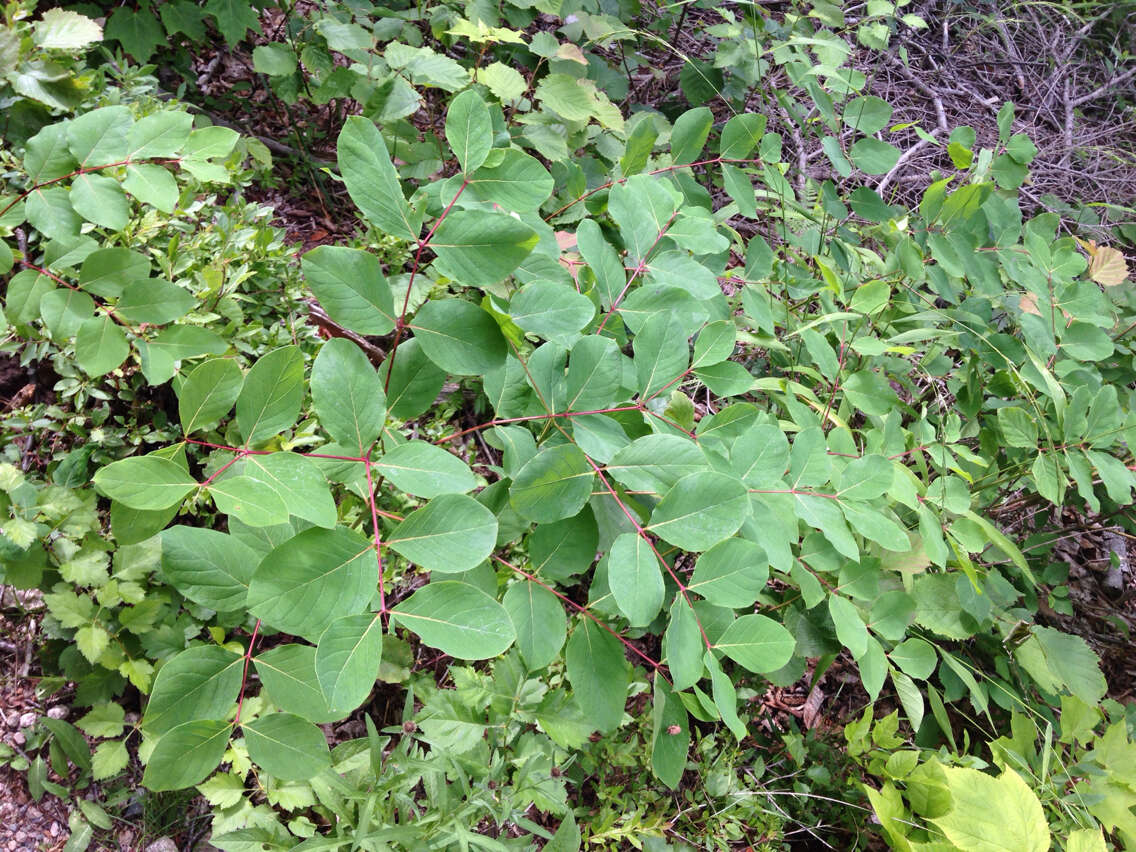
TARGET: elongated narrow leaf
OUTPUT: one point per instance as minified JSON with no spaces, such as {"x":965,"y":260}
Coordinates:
{"x":539,"y":620}
{"x":450,"y":534}
{"x":286,"y":746}
{"x":684,"y":646}
{"x":670,"y":734}
{"x":347,"y":394}
{"x":372,"y":181}
{"x":347,"y":659}
{"x":458,"y":619}
{"x":635,"y":579}
{"x":144,"y":482}
{"x":270,"y":399}
{"x":469,"y":130}
{"x":307,"y":582}
{"x":199,"y":683}
{"x":187,"y":755}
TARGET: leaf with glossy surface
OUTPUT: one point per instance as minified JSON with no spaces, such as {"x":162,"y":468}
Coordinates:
{"x":554,"y":484}
{"x":350,"y":285}
{"x":286,"y":746}
{"x":144,"y":482}
{"x":313,"y":578}
{"x":269,"y":401}
{"x":758,"y":643}
{"x":634,"y":578}
{"x":458,"y":619}
{"x":186,"y":755}
{"x":450,"y":534}
{"x":539,"y":620}
{"x":347,"y":394}
{"x":208,"y":567}
{"x":199,"y":683}
{"x":372,"y":181}
{"x":459,"y":337}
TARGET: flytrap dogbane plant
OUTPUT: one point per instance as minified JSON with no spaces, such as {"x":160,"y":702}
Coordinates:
{"x":650,"y":525}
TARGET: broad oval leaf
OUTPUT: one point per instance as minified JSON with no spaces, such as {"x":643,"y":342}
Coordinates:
{"x":347,"y":659}
{"x":350,"y":285}
{"x":208,"y":393}
{"x":298,"y":483}
{"x":599,"y":674}
{"x":479,"y":248}
{"x":459,"y":337}
{"x":288,"y":673}
{"x":732,"y":573}
{"x":450,"y":534}
{"x":254,"y":502}
{"x":700,"y":510}
{"x":270,"y":399}
{"x":425,"y":470}
{"x":372,"y":181}
{"x":347,"y":394}
{"x":554,"y":484}
{"x":458,"y":619}
{"x":539,"y":620}
{"x":208,"y":567}
{"x":144,"y":482}
{"x":469,"y":130}
{"x":553,"y":311}
{"x":518,"y":182}
{"x":757,"y":642}
{"x":286,"y":746}
{"x":635,"y":580}
{"x":199,"y":683}
{"x":187,"y":755}
{"x":303,"y":585}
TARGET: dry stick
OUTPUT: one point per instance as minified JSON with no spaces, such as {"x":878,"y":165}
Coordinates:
{"x":1105,"y":88}
{"x":904,"y":158}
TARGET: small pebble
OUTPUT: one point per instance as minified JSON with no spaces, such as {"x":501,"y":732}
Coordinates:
{"x":55,"y":829}
{"x":162,"y":844}
{"x":19,"y":739}
{"x":57,"y":712}
{"x":27,"y":720}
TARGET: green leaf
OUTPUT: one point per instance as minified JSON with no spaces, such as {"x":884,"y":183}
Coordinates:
{"x":661,"y":354}
{"x":741,"y":135}
{"x":910,"y":697}
{"x":48,"y":156}
{"x":539,"y":620}
{"x":567,"y":837}
{"x":459,"y":337}
{"x":275,"y":60}
{"x":71,"y":742}
{"x":64,"y":311}
{"x":1018,"y":427}
{"x":372,"y":181}
{"x":469,"y":130}
{"x":100,"y":346}
{"x":850,"y":628}
{"x":478,"y":248}
{"x":208,"y":393}
{"x":234,"y":18}
{"x":297,"y":481}
{"x":208,"y":567}
{"x":350,"y":285}
{"x":758,"y":643}
{"x":873,"y":157}
{"x":450,"y":534}
{"x":313,"y":578}
{"x":154,"y":301}
{"x":288,"y":673}
{"x":62,"y":29}
{"x":425,"y":470}
{"x":865,"y":478}
{"x":551,"y":310}
{"x":731,"y":574}
{"x":144,"y":482}
{"x":689,"y":134}
{"x":160,"y":134}
{"x":98,"y":138}
{"x":109,"y":759}
{"x":107,"y":272}
{"x":50,"y":212}
{"x":634,"y":578}
{"x":637,"y":150}
{"x":153,"y":185}
{"x":269,"y":401}
{"x":414,"y":381}
{"x":252,"y":501}
{"x":287,"y":747}
{"x":458,"y":619}
{"x":554,"y":484}
{"x":670,"y":734}
{"x":186,"y":755}
{"x":602,"y":260}
{"x":504,"y":81}
{"x":684,"y":645}
{"x":916,"y":657}
{"x":700,"y":510}
{"x":599,"y":674}
{"x":595,"y":373}
{"x":867,"y":114}
{"x":99,"y":199}
{"x":993,"y":814}
{"x":201,"y":682}
{"x":517,"y":182}
{"x":1072,"y":663}
{"x":347,"y":394}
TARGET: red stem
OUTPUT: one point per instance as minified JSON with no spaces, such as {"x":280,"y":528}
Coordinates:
{"x":244,"y":674}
